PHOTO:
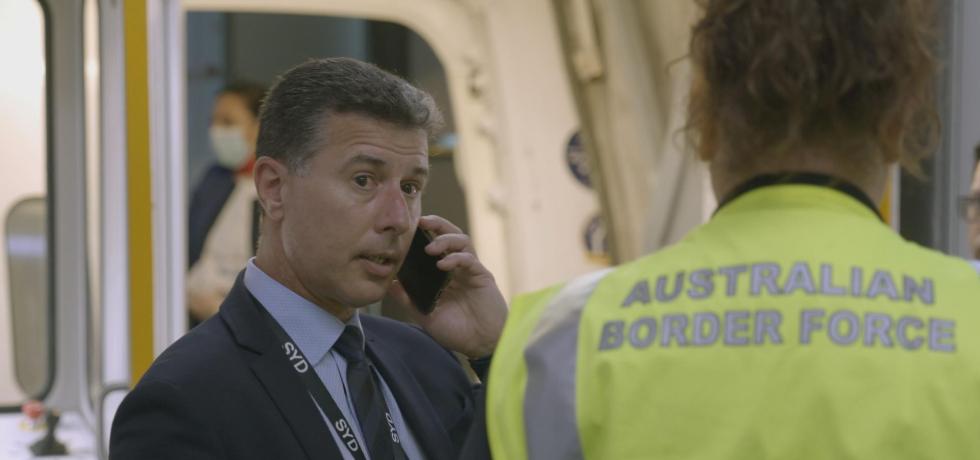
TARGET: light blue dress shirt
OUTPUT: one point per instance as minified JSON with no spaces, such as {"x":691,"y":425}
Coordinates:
{"x":314,"y":331}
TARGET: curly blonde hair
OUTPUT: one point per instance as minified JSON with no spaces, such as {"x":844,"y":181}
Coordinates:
{"x":852,"y":77}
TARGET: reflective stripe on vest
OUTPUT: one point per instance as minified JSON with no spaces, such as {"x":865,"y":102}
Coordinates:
{"x":549,"y":397}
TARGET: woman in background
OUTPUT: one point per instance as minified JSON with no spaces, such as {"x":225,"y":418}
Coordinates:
{"x":221,"y":215}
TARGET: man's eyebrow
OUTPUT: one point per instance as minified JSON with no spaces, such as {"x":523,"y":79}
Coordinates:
{"x":365,"y":159}
{"x":371,"y":160}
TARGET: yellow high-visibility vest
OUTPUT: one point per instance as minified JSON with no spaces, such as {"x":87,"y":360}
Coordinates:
{"x":793,"y":325}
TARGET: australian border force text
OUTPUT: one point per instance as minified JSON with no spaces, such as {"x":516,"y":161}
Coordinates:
{"x":744,"y":327}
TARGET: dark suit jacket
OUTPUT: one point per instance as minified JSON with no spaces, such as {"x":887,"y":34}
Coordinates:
{"x":226,"y":391}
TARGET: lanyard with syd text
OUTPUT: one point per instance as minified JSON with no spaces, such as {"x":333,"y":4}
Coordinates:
{"x":314,"y":385}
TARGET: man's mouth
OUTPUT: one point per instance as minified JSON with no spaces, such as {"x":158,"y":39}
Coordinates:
{"x":379,"y":264}
{"x":381,"y":260}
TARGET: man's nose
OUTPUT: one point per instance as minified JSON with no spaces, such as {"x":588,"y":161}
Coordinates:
{"x":395,"y":214}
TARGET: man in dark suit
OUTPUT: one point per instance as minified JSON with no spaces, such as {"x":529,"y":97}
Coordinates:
{"x":288,"y":368}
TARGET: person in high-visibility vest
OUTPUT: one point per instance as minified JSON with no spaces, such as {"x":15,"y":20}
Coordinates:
{"x":795,"y":324}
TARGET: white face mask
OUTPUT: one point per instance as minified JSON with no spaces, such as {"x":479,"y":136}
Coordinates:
{"x":229,"y":145}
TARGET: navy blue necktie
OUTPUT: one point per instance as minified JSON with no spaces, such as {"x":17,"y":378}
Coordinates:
{"x":365,"y":392}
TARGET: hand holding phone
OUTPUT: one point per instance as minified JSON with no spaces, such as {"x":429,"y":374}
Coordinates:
{"x":422,"y":280}
{"x":471,"y":310}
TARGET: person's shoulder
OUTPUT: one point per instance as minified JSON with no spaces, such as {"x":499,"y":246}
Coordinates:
{"x":216,"y":171}
{"x":433,"y":366}
{"x":408,"y":341}
{"x":215,"y":177}
{"x":396,"y":332}
{"x":170,"y":412}
{"x":198,"y":358}
{"x":942,"y":265}
{"x":579,"y":287}
{"x":556,"y":301}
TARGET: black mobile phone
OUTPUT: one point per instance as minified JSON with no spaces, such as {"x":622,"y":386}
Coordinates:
{"x":420,"y":277}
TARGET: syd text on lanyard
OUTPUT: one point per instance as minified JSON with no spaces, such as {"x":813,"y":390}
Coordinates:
{"x":314,"y":386}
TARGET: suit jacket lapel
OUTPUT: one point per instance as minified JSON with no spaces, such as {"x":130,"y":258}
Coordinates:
{"x":241,"y":312}
{"x":296,"y":406}
{"x":412,"y":401}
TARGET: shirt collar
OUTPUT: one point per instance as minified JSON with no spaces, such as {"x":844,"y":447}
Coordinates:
{"x":313,"y":329}
{"x":801,"y":178}
{"x":796,"y":196}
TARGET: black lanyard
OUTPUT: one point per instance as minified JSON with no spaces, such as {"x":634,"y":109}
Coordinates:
{"x":321,"y":396}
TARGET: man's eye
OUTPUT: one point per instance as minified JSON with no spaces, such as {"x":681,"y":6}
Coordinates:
{"x":362,"y":180}
{"x":411,"y":189}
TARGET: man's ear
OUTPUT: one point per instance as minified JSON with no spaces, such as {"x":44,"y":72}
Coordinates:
{"x":270,"y":176}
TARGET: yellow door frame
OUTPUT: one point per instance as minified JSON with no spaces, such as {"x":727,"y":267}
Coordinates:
{"x":139,"y":205}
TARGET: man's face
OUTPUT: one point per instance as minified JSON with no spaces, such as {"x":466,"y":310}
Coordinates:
{"x":349,"y":217}
{"x":975,"y":223}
